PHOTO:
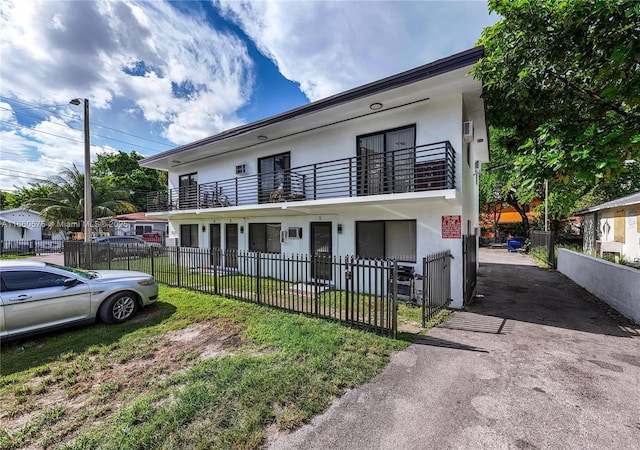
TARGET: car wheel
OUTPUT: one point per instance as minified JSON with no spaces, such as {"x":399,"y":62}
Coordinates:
{"x":118,"y":308}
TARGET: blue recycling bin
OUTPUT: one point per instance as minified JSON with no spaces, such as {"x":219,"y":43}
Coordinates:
{"x":513,"y":244}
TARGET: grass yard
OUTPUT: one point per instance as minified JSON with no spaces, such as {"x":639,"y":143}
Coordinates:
{"x":192,"y":371}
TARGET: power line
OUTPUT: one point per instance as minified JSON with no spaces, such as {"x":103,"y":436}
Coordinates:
{"x":92,"y":133}
{"x":2,"y":152}
{"x":19,"y":171}
{"x":22,"y":176}
{"x":40,"y":131}
{"x":31,"y":106}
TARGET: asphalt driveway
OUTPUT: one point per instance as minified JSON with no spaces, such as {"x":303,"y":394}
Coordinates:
{"x":536,"y":363}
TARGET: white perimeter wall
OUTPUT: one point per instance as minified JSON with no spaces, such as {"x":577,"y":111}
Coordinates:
{"x":615,"y":284}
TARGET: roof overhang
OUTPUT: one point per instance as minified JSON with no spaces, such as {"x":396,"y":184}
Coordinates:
{"x":437,"y":79}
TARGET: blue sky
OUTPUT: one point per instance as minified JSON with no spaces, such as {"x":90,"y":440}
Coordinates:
{"x":160,"y":74}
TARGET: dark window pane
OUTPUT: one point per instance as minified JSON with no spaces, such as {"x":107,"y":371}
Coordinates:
{"x":370,"y":239}
{"x":391,"y":239}
{"x":264,"y":237}
{"x":189,"y":235}
{"x":23,"y":280}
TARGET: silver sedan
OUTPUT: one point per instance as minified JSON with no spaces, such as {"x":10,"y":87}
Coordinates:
{"x":36,"y":296}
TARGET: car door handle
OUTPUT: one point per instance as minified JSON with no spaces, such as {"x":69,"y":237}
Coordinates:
{"x":21,"y":297}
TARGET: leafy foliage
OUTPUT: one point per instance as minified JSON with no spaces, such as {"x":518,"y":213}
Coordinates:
{"x":121,"y":171}
{"x":65,"y":201}
{"x":23,"y":195}
{"x":564,"y":76}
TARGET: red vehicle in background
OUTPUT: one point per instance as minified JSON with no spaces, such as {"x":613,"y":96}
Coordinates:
{"x":153,"y":236}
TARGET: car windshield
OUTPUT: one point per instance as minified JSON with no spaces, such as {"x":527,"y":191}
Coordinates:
{"x":81,"y":273}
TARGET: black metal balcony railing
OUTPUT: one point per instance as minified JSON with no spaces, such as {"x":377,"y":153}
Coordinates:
{"x":422,"y":168}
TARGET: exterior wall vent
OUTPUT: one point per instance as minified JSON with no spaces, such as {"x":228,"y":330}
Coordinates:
{"x":241,"y":169}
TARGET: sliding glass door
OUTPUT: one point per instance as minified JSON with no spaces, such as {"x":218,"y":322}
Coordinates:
{"x":386,"y":161}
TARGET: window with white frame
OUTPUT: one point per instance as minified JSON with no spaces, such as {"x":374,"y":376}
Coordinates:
{"x":386,"y":239}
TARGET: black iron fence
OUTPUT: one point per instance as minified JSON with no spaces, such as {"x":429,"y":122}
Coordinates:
{"x":414,"y":169}
{"x":436,"y":289}
{"x":361,"y":293}
{"x":27,"y":247}
{"x":543,"y":247}
{"x":469,"y":265}
{"x":352,"y":291}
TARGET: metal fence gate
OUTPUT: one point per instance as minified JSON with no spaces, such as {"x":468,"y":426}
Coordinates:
{"x":546,"y":241}
{"x":436,"y":288}
{"x":469,"y":266}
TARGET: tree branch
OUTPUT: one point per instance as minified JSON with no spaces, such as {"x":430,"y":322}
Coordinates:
{"x":590,"y":94}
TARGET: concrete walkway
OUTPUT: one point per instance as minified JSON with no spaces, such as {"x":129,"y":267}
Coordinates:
{"x":537,"y":363}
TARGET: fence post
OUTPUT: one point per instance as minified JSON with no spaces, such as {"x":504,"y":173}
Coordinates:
{"x":153,"y":266}
{"x":179,"y":266}
{"x":394,"y":310}
{"x":425,"y":275}
{"x":217,"y":254}
{"x":258,"y":277}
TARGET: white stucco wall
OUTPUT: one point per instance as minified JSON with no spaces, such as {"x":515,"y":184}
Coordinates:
{"x":28,"y":225}
{"x":615,"y":284}
{"x":427,"y":213}
{"x":436,"y":120}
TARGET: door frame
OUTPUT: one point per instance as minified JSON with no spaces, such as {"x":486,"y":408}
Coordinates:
{"x":325,"y":272}
{"x":215,"y":259}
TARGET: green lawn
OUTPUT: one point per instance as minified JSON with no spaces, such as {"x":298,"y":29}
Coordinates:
{"x":192,"y":371}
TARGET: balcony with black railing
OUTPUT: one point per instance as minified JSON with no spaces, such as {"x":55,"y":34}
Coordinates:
{"x":414,"y":169}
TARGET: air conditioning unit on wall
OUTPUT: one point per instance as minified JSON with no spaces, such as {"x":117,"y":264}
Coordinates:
{"x":241,"y":169}
{"x":295,"y":233}
{"x":467,"y":131}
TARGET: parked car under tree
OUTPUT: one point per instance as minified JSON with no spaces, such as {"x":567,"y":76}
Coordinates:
{"x":37,"y":297}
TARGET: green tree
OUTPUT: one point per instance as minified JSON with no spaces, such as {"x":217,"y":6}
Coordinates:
{"x":501,"y":183}
{"x":65,"y":202}
{"x":564,"y":76}
{"x":23,"y":194}
{"x":121,"y":171}
{"x":7,"y":200}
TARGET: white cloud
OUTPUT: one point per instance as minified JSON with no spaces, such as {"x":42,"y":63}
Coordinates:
{"x":56,"y":50}
{"x":329,"y":47}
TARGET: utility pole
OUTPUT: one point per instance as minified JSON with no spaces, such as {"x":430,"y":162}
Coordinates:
{"x":87,"y":170}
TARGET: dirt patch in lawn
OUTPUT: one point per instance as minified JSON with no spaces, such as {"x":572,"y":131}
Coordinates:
{"x":87,"y":392}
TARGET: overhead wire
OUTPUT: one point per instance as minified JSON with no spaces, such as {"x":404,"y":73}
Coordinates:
{"x":91,"y":132}
{"x":32,"y":106}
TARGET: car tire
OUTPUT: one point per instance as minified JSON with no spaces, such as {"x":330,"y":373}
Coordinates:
{"x":119,"y":307}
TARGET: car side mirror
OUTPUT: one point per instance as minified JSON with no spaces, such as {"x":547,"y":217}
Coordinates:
{"x":69,"y":282}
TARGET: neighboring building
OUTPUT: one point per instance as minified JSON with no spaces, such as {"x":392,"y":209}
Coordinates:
{"x":613,"y":227}
{"x":20,"y":224}
{"x":385,"y":170}
{"x":23,"y":229}
{"x":135,"y":224}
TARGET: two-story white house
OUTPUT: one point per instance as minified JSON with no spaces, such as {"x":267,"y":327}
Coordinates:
{"x":385,"y":170}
